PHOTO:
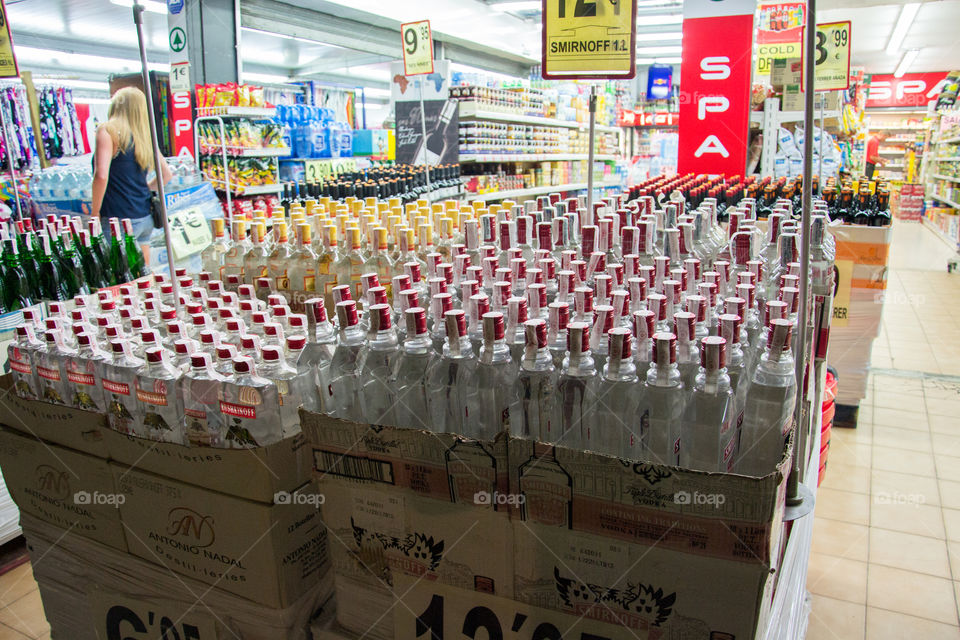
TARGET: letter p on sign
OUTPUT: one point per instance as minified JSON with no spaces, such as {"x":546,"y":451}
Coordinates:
{"x":711,"y":104}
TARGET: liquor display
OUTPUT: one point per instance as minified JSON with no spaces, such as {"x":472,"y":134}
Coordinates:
{"x":406,"y":182}
{"x":609,"y":330}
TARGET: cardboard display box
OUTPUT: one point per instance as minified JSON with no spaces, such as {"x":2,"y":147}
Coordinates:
{"x":786,"y":71}
{"x":91,"y":592}
{"x":71,"y":490}
{"x":664,"y":551}
{"x":269,"y":553}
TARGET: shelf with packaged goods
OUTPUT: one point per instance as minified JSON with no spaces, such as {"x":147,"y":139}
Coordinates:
{"x":948,"y":159}
{"x":933,"y":226}
{"x":937,"y":176}
{"x":756,"y":117}
{"x":536,"y":191}
{"x":470,"y":112}
{"x":892,"y":152}
{"x":945,"y":201}
{"x":236,"y":112}
{"x":531,"y":157}
{"x":949,"y":140}
{"x":254,"y":190}
{"x":265,"y":152}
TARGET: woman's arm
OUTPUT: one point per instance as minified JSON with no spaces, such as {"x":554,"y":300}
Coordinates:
{"x":165,"y":171}
{"x":102,"y":155}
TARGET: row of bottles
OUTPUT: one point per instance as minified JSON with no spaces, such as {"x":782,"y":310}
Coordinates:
{"x":405,"y":182}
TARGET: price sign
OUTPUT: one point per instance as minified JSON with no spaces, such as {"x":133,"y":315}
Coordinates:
{"x":433,"y":610}
{"x":189,"y":232}
{"x":322,"y":169}
{"x":832,"y":56}
{"x":589,"y":39}
{"x":179,"y":77}
{"x":417,"y":48}
{"x":8,"y":61}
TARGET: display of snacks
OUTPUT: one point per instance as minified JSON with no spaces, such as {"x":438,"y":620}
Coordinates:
{"x":243,"y":208}
{"x":241,"y":135}
{"x":518,"y":101}
{"x":230,"y":94}
{"x":244,"y":172}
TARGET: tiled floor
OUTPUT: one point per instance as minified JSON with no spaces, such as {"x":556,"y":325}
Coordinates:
{"x":886,"y":543}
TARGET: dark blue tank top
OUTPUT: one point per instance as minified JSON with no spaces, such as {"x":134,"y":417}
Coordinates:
{"x":127,"y":194}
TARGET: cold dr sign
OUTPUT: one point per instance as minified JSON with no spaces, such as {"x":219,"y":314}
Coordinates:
{"x":589,"y":38}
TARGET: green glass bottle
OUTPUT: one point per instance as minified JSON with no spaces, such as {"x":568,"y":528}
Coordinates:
{"x":28,"y":260}
{"x":16,"y":291}
{"x":99,"y":250}
{"x":117,"y":256}
{"x":51,"y":285}
{"x":72,"y":270}
{"x":91,"y":268}
{"x":135,"y":259}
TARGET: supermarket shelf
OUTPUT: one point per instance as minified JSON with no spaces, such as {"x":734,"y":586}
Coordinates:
{"x":949,"y":140}
{"x":940,"y":177}
{"x":948,"y":159}
{"x":893,"y":152}
{"x":530,"y":157}
{"x":470,"y":113}
{"x":535,"y":191}
{"x":255,"y":190}
{"x":265,"y":152}
{"x":953,"y":244}
{"x":945,"y":201}
{"x":237,"y":112}
{"x":881,"y":128}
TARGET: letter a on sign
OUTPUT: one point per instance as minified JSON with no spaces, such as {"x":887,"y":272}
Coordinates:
{"x":711,"y":144}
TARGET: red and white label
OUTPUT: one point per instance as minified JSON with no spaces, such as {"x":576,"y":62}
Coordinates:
{"x":715,"y":86}
{"x":49,"y":374}
{"x":181,"y":119}
{"x":116,"y":387}
{"x":629,"y":118}
{"x":912,"y":90}
{"x":156,"y":399}
{"x":81,"y":378}
{"x":238,"y":410}
{"x":196,"y":413}
{"x":21,"y":367}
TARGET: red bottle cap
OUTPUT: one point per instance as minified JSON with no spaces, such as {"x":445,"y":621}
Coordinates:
{"x":380,"y":319}
{"x":347,"y":313}
{"x":697,"y":305}
{"x":730,"y":327}
{"x":200,"y":360}
{"x":455,"y":323}
{"x":774,"y":310}
{"x":535,"y":333}
{"x":713,"y":353}
{"x":578,"y":338}
{"x":493,"y":326}
{"x":341,"y":293}
{"x":242,"y":364}
{"x":154,"y":354}
{"x":559,"y":313}
{"x":664,"y":348}
{"x":184,"y":346}
{"x":684,"y":325}
{"x":619,"y":343}
{"x":583,"y":300}
{"x":295,"y":343}
{"x":644,"y":322}
{"x":316,"y":308}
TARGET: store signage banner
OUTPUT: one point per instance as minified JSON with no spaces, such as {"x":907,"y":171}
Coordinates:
{"x":181,"y":101}
{"x":417,"y":47}
{"x":629,"y":118}
{"x":912,"y":90}
{"x":715,"y":86}
{"x":589,"y":39}
{"x":831,"y":66}
{"x":443,"y":133}
{"x":779,"y":33}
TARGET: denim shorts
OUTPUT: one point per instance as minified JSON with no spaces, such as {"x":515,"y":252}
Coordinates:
{"x":142,"y":229}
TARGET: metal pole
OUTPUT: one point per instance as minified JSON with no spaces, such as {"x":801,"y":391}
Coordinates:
{"x":13,"y":171}
{"x":423,"y":128}
{"x":593,"y":124}
{"x":820,"y":158}
{"x":799,"y":497}
{"x":157,"y":156}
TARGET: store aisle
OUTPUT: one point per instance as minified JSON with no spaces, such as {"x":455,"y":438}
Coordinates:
{"x":886,"y":546}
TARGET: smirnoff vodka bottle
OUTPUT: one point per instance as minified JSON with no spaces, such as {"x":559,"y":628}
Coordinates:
{"x":51,"y":374}
{"x":289,"y":386}
{"x":496,"y":380}
{"x":249,"y":405}
{"x":199,"y":390}
{"x":451,"y":387}
{"x":537,"y":419}
{"x":375,"y":365}
{"x":22,"y":355}
{"x":410,"y":373}
{"x":615,"y":428}
{"x":708,"y":432}
{"x":83,"y":374}
{"x":577,"y":388}
{"x":665,"y":402}
{"x":343,"y":386}
{"x":160,"y":412}
{"x":118,"y":375}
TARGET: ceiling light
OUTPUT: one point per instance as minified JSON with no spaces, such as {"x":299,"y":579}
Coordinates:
{"x":284,"y":36}
{"x":657,"y":37}
{"x":643,"y":61}
{"x":670,"y":18}
{"x":656,"y":50}
{"x":526,"y":5}
{"x":266,"y":78}
{"x":671,"y":60}
{"x":907,"y":14}
{"x":49,"y":57}
{"x":908,"y":59}
{"x":148,"y":5}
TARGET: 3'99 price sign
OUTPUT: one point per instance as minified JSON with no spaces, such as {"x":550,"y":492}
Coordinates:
{"x":417,"y":48}
{"x":831,"y":58}
{"x":433,"y":611}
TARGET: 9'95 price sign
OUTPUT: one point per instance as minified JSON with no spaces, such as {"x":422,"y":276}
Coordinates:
{"x":434,"y":611}
{"x":417,"y":48}
{"x":832,"y":56}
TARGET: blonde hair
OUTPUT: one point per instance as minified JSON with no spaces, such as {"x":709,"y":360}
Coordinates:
{"x":128,"y":125}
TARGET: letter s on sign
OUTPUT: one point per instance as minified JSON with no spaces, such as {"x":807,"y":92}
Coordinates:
{"x":715,"y":68}
{"x":181,"y":100}
{"x":879,"y":90}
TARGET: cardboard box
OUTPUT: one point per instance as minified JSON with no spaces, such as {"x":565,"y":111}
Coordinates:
{"x":66,"y":426}
{"x":371,"y":142}
{"x":271,"y":554}
{"x":254,"y":474}
{"x":786,"y":71}
{"x":71,"y":490}
{"x":91,"y":592}
{"x":664,"y":551}
{"x":792,"y":99}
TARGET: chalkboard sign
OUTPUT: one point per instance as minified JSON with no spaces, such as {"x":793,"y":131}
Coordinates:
{"x":443,"y":136}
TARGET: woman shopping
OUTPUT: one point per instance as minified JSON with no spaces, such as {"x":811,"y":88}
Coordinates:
{"x":123,"y":156}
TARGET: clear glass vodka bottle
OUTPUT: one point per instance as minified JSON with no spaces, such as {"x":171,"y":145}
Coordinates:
{"x":343,"y":386}
{"x":318,"y":353}
{"x":255,"y":259}
{"x":199,"y":389}
{"x":51,"y":373}
{"x":558,"y":317}
{"x":225,"y":355}
{"x":451,"y":384}
{"x":496,"y":381}
{"x":688,"y":355}
{"x":730,"y":331}
{"x":212,"y":257}
{"x":409,"y":378}
{"x":83,"y":374}
{"x":515,"y":334}
{"x":538,"y":418}
{"x":302,"y":270}
{"x":665,"y":401}
{"x":577,"y":387}
{"x":769,"y":406}
{"x":117,"y":376}
{"x":249,"y":404}
{"x":22,"y":356}
{"x":160,"y":415}
{"x":615,"y":429}
{"x":821,"y":262}
{"x":708,"y":432}
{"x":375,"y":364}
{"x":233,"y":258}
{"x":290,"y":388}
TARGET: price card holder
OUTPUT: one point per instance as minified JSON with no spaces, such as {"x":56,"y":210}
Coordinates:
{"x":189,"y":232}
{"x":417,"y":48}
{"x":179,"y":77}
{"x":323,"y":169}
{"x":831,"y":58}
{"x":589,"y":39}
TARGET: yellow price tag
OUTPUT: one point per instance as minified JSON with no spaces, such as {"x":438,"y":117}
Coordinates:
{"x":8,"y":61}
{"x":417,"y":47}
{"x":189,"y":232}
{"x":832,"y":56}
{"x":322,"y":169}
{"x":589,"y":39}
